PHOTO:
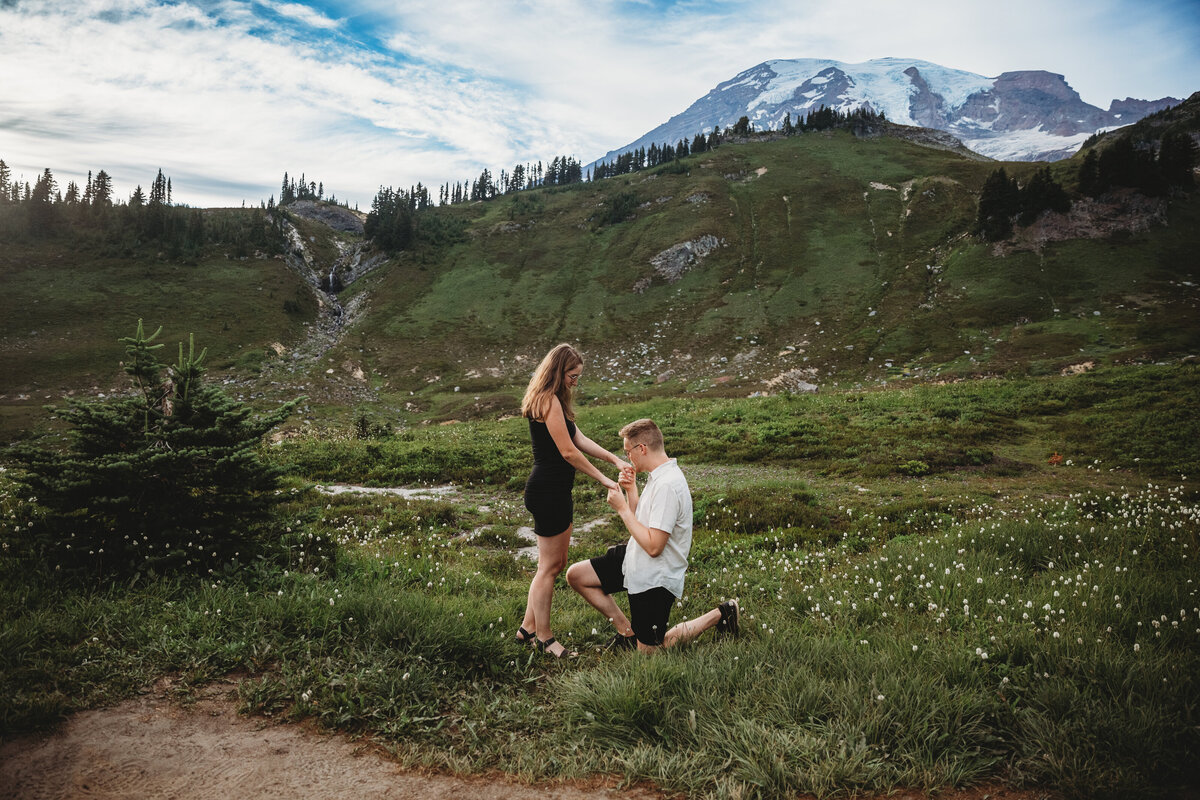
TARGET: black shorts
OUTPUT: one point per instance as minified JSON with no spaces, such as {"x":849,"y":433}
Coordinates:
{"x":649,"y":611}
{"x":549,"y":500}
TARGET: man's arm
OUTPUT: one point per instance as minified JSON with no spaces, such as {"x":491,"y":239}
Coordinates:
{"x":628,"y":481}
{"x":652,"y":540}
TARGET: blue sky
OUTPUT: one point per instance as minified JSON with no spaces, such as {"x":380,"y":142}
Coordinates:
{"x":226,"y":95}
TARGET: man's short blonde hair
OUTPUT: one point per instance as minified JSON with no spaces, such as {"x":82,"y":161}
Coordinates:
{"x":644,"y":431}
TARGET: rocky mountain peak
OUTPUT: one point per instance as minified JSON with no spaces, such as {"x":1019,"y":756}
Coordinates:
{"x":1039,"y":82}
{"x":1021,"y":115}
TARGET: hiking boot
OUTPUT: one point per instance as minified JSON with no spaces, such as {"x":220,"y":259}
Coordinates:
{"x":621,"y":642}
{"x":729,"y":617}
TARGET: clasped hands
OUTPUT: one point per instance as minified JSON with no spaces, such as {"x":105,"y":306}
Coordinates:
{"x":626,"y":481}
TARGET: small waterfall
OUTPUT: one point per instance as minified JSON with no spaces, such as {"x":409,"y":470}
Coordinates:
{"x":331,"y":284}
{"x":333,"y":317}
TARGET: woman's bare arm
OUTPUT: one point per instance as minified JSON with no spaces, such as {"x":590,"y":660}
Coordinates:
{"x":596,"y":451}
{"x":556,"y":423}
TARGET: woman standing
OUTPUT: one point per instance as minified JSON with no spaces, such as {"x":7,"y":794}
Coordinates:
{"x":559,"y":450}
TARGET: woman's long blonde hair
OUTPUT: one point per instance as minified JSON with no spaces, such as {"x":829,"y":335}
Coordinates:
{"x":550,"y":380}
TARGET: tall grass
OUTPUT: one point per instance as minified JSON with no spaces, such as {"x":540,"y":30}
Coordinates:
{"x":1053,"y":644}
{"x":1058,"y":648}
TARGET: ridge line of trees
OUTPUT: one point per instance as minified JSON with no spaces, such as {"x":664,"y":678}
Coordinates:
{"x":396,"y":217}
{"x":91,"y":214}
{"x":1004,"y":204}
{"x":1124,"y":164}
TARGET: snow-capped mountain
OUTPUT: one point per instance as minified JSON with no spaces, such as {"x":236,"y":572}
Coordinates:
{"x":1018,"y":116}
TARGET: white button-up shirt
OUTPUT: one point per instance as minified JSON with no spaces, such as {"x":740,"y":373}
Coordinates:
{"x":665,"y":504}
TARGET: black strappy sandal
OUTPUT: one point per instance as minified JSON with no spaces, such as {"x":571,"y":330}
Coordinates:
{"x":544,"y":648}
{"x":524,"y":637}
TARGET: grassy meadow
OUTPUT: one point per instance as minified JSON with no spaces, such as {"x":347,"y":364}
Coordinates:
{"x":68,"y":307}
{"x":928,"y":602}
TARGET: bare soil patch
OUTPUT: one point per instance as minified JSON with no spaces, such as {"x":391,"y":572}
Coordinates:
{"x":154,"y":747}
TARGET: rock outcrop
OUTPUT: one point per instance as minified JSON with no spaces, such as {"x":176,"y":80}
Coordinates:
{"x":672,"y":263}
{"x":339,"y":218}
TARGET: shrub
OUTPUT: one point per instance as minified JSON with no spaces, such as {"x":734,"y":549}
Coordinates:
{"x":913,"y":468}
{"x":167,"y":479}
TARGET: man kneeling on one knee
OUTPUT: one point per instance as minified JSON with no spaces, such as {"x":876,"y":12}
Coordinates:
{"x":652,"y":564}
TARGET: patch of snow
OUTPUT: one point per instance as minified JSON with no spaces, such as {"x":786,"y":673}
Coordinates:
{"x":881,"y":82}
{"x":1014,"y":145}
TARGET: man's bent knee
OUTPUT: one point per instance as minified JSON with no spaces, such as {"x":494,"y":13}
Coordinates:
{"x":577,"y":574}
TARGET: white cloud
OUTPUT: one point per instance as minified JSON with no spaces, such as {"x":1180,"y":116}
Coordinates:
{"x":302,"y":13}
{"x":359,"y":94}
{"x":165,"y":85}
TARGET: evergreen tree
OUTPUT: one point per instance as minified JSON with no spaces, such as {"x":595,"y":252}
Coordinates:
{"x":43,"y":190}
{"x":1122,"y":163}
{"x":1118,"y":164}
{"x":999,"y":202}
{"x":5,"y":176}
{"x":1089,"y":174}
{"x":517,"y":181}
{"x":158,"y":190}
{"x":166,"y":480}
{"x":1042,"y":194}
{"x":390,"y":222}
{"x":42,"y":214}
{"x":1177,"y":159}
{"x":102,"y":190}
{"x":574,"y":171}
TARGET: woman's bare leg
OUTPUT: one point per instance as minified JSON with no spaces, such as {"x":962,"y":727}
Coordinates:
{"x":552,"y":558}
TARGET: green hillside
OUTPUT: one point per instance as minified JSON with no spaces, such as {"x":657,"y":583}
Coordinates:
{"x":832,"y":260}
{"x":842,"y":260}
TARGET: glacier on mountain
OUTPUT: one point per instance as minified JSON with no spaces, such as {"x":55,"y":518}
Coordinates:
{"x":881,"y":84}
{"x":1020,"y":116}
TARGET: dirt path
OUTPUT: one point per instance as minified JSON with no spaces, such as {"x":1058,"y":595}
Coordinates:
{"x":152,"y":747}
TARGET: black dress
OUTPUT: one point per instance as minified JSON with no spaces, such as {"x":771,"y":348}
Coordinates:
{"x":548,"y":490}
